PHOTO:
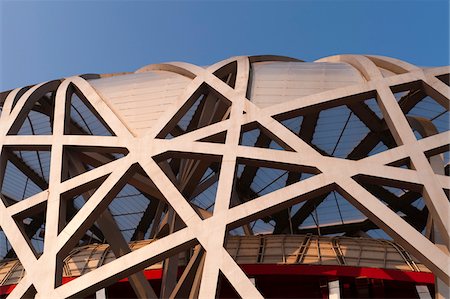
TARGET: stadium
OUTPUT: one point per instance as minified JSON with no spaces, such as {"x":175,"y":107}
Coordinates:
{"x":256,"y":177}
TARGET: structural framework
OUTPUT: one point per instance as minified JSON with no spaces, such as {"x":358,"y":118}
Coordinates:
{"x":177,"y":166}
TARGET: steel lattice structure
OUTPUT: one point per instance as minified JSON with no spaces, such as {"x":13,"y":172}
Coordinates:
{"x":176,"y":151}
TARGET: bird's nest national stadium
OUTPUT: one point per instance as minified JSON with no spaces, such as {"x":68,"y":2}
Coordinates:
{"x":255,"y":177}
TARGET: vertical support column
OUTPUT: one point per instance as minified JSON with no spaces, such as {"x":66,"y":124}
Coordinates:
{"x":334,"y":291}
{"x":170,"y":268}
{"x":442,"y":289}
{"x":423,"y":292}
{"x":100,"y":294}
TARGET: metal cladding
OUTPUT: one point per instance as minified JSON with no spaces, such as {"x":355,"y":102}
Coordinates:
{"x":356,"y":252}
{"x":190,"y":161}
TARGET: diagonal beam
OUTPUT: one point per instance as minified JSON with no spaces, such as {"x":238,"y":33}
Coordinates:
{"x":127,"y":264}
{"x":25,"y":169}
{"x":188,"y":285}
{"x":113,"y":235}
{"x":402,"y":233}
{"x":410,"y":100}
{"x":413,"y":215}
{"x":249,"y":172}
{"x":283,"y":218}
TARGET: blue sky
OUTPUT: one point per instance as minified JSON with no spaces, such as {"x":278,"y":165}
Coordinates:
{"x":43,"y":40}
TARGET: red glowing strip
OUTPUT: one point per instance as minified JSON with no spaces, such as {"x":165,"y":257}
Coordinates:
{"x":338,"y":271}
{"x":300,"y":270}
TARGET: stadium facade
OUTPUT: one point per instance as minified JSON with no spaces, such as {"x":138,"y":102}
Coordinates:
{"x":259,"y":176}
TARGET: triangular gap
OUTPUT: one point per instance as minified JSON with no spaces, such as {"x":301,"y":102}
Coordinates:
{"x":329,"y":214}
{"x":6,"y":250}
{"x":255,"y":178}
{"x":133,"y":205}
{"x":74,"y":201}
{"x":348,"y":127}
{"x":225,"y":289}
{"x":25,"y":173}
{"x":227,"y":73}
{"x":84,"y":118}
{"x":78,"y":160}
{"x":39,"y":120}
{"x":19,"y":95}
{"x":31,"y":224}
{"x":154,"y":216}
{"x":402,"y":163}
{"x":372,"y":104}
{"x":293,"y":123}
{"x":439,"y":159}
{"x":206,"y":106}
{"x":31,"y":292}
{"x":195,"y":176}
{"x":353,"y":223}
{"x":131,"y":211}
{"x":444,"y":78}
{"x":128,"y":203}
{"x":332,"y":126}
{"x":403,"y":198}
{"x":216,"y":138}
{"x":256,"y":135}
{"x":408,"y":94}
{"x":323,"y":214}
{"x":36,"y":120}
{"x":420,"y":106}
{"x":126,"y":210}
{"x":378,"y":148}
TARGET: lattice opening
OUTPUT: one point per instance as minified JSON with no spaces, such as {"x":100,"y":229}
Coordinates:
{"x":351,"y":127}
{"x":205,"y":107}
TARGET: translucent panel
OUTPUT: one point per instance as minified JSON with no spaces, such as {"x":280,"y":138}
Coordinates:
{"x":38,"y":161}
{"x":84,"y":118}
{"x":17,"y":185}
{"x":127,"y":209}
{"x":36,"y":124}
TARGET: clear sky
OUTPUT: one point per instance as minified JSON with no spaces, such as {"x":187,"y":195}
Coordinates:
{"x":43,"y":40}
